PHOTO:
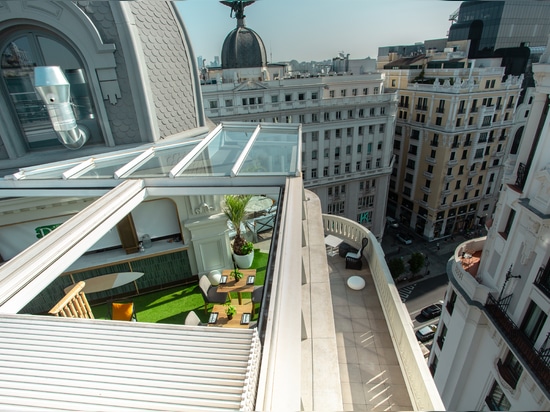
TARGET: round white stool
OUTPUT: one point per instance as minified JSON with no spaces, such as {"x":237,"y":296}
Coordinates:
{"x":214,"y":277}
{"x":356,"y":282}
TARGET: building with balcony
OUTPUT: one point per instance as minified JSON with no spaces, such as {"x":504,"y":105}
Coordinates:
{"x":347,"y":126}
{"x":498,"y":297}
{"x":455,"y":120}
{"x":150,"y":166}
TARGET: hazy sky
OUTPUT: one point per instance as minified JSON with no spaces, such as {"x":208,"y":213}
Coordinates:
{"x":319,"y":29}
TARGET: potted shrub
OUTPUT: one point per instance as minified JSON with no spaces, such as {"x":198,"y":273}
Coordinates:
{"x":236,"y":274}
{"x":235,"y":210}
{"x":230,"y":311}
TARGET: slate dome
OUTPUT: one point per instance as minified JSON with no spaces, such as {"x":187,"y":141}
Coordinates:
{"x":243,"y":47}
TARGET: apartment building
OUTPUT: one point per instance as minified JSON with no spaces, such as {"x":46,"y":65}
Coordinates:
{"x":492,"y":347}
{"x":454,"y":122}
{"x":347,"y":128}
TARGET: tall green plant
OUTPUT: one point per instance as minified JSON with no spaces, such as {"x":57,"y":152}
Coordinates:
{"x":235,"y":210}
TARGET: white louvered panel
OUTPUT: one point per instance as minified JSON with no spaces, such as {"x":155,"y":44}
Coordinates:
{"x":90,"y":365}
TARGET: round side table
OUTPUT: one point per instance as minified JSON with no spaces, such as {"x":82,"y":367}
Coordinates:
{"x":356,"y":282}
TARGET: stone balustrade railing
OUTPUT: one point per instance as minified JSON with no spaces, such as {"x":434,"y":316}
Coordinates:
{"x":419,"y":381}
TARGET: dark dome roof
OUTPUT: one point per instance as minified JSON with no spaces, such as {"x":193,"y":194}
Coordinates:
{"x":243,"y":47}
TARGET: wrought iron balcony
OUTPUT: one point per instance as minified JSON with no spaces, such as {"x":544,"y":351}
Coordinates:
{"x":543,"y":280}
{"x":521,"y":175}
{"x":537,"y":360}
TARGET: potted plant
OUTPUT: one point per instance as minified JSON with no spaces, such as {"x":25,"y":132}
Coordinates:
{"x":235,"y":210}
{"x":237,"y":274}
{"x":230,"y":311}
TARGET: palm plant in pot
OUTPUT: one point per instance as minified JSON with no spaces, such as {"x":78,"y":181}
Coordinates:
{"x":235,"y":210}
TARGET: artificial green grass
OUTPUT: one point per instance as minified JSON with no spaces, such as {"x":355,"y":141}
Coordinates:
{"x":172,"y":305}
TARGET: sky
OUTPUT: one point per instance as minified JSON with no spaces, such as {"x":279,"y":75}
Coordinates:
{"x":306,"y":30}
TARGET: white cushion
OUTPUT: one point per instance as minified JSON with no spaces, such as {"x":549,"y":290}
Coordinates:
{"x":214,"y":277}
{"x":356,"y":282}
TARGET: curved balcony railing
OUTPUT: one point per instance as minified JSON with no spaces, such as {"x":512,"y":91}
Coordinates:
{"x":471,"y":285}
{"x":422,"y":390}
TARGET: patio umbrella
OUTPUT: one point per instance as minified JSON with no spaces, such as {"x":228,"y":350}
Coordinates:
{"x":258,"y":204}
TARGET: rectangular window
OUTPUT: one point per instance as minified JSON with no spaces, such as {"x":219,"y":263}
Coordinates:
{"x":288,"y":97}
{"x":315,"y":136}
{"x":301,"y":96}
{"x":228,"y":103}
{"x":314,"y":118}
{"x":533,"y":322}
{"x":510,"y":369}
{"x":325,"y":171}
{"x":274,"y":99}
{"x":338,"y":115}
{"x":496,"y":400}
{"x":509,"y":223}
{"x":337,"y":153}
{"x":313,"y":173}
{"x":338,"y":133}
{"x":348,"y":149}
{"x":354,"y":92}
{"x":314,"y":96}
{"x":331,"y":93}
{"x":361,"y":113}
{"x":327,"y":116}
{"x":314,"y":154}
{"x":343,"y":93}
{"x":350,"y":114}
{"x":359,"y":148}
{"x":213,"y":104}
{"x":366,"y":91}
{"x":349,"y":131}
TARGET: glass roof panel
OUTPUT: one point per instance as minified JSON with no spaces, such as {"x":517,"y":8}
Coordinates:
{"x":275,"y":151}
{"x":51,"y":171}
{"x":163,"y":161}
{"x":105,"y":167}
{"x":219,"y":156}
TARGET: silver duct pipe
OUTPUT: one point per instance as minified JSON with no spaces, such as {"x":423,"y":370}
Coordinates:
{"x":54,"y":89}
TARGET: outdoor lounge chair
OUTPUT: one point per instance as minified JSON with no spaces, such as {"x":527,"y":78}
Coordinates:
{"x":192,"y":319}
{"x":354,"y":260}
{"x":210,"y":293}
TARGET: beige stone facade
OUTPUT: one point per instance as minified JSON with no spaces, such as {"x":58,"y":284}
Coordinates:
{"x":452,"y":131}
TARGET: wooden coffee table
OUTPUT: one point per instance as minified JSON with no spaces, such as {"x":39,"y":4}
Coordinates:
{"x":224,"y":322}
{"x":240,"y":286}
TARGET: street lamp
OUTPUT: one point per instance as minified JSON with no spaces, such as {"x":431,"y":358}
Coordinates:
{"x":508,"y":277}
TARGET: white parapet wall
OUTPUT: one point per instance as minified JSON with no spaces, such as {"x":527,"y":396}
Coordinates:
{"x":420,"y":384}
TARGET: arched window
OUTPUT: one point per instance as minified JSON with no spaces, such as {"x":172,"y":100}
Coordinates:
{"x":21,"y":52}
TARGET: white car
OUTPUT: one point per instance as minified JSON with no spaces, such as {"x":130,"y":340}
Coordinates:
{"x":406,"y":239}
{"x":426,"y":333}
{"x":392,"y":222}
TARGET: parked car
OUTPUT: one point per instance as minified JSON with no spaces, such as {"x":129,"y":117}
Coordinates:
{"x":392,"y":222}
{"x":426,"y":333}
{"x":432,"y":311}
{"x":403,"y":237}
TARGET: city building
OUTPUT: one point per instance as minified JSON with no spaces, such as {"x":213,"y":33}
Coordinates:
{"x":455,"y":120}
{"x":493,"y":25}
{"x":492,"y":346}
{"x":347,"y":124}
{"x":120,"y":149}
